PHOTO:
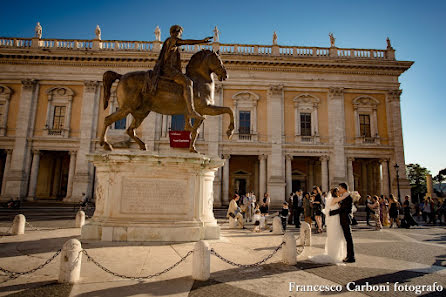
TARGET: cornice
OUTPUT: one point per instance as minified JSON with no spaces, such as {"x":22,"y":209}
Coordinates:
{"x":267,"y":64}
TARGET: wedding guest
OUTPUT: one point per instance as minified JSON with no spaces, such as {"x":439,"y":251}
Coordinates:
{"x":266,"y":201}
{"x":317,"y":208}
{"x":290,"y":204}
{"x":442,"y":213}
{"x":256,"y":219}
{"x":234,"y":211}
{"x":368,"y":211}
{"x":307,"y":208}
{"x":394,"y":211}
{"x":375,"y":211}
{"x":284,"y":215}
{"x":297,"y":207}
{"x":429,"y":210}
{"x":408,"y":219}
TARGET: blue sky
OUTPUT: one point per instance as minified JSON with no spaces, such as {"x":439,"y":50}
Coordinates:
{"x":417,"y":30}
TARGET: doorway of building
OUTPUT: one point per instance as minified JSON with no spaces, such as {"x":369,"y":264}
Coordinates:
{"x":240,"y":186}
{"x":52,"y":180}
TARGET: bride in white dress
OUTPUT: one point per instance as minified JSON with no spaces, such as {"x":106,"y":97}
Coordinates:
{"x":335,"y":244}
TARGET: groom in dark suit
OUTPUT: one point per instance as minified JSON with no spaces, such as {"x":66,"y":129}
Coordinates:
{"x":344,"y":212}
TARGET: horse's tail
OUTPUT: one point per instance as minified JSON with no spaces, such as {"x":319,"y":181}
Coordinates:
{"x":108,"y":79}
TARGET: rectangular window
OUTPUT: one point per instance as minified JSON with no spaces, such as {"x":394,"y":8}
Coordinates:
{"x":245,"y":122}
{"x":59,"y":117}
{"x":364,"y":125}
{"x":121,"y":124}
{"x":305,"y":124}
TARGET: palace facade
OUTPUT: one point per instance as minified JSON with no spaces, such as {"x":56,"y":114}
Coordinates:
{"x":304,"y":116}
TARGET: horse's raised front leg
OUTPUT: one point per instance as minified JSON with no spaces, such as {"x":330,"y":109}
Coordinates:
{"x":193,"y":136}
{"x":214,"y":110}
{"x":132,"y":133}
{"x":116,"y":116}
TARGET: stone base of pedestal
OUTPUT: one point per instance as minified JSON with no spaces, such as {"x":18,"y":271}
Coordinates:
{"x":141,"y":196}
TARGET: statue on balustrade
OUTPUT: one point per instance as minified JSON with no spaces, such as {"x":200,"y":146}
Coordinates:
{"x":166,"y":90}
{"x":98,"y":32}
{"x":38,"y":30}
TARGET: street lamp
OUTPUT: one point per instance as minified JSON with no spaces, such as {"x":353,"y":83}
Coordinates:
{"x":398,"y":181}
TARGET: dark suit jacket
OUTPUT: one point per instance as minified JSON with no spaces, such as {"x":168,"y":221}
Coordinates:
{"x":344,"y":211}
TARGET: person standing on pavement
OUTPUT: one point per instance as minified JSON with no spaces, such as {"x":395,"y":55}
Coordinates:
{"x":368,"y":211}
{"x":291,"y":210}
{"x":297,"y":207}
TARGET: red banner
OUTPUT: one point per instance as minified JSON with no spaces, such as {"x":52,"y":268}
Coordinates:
{"x":180,"y":139}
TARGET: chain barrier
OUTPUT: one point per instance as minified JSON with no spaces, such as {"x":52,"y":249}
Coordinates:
{"x":14,"y":274}
{"x":136,"y":277}
{"x":213,"y":252}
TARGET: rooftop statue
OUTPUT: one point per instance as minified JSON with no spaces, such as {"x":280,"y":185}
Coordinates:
{"x":166,"y":90}
{"x":98,"y":32}
{"x":275,"y":38}
{"x":38,"y":30}
{"x":157,"y":33}
{"x":216,"y":34}
{"x":332,"y":40}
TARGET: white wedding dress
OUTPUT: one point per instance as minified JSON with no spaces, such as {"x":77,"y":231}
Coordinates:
{"x":335,"y":244}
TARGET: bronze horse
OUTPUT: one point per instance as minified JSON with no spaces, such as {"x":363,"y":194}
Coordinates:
{"x":168,"y":99}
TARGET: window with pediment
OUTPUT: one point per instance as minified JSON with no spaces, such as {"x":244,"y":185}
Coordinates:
{"x":59,"y":111}
{"x":306,"y":118}
{"x":245,"y":104}
{"x":365,"y":109}
{"x":5,"y":97}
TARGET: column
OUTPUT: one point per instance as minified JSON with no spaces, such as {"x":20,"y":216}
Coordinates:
{"x":393,"y":98}
{"x":377,"y":178}
{"x":289,"y":174}
{"x":364,"y":177}
{"x":34,"y":174}
{"x":83,"y":176}
{"x":385,"y":177}
{"x":351,"y":178}
{"x":5,"y":172}
{"x":311,"y":182}
{"x":17,"y":181}
{"x":71,"y":175}
{"x":217,"y":188}
{"x":337,"y":134}
{"x":262,"y":176}
{"x":370,"y":178}
{"x":324,"y":173}
{"x":225,"y":198}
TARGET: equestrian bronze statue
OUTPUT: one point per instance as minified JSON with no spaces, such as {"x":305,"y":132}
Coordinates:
{"x":135,"y":98}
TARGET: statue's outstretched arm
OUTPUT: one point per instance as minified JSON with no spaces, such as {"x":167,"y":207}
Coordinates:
{"x":193,"y":41}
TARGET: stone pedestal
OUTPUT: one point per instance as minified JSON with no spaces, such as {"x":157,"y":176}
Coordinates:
{"x":147,"y":197}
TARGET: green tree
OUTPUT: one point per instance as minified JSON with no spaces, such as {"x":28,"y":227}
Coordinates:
{"x":439,"y":179}
{"x":417,"y":178}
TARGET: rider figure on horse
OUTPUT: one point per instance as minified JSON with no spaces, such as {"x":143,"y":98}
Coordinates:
{"x":169,"y":66}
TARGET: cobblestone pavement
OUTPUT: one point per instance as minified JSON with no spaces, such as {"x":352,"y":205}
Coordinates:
{"x":415,"y":256}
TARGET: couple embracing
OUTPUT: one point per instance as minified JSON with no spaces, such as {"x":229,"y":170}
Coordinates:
{"x":339,"y":243}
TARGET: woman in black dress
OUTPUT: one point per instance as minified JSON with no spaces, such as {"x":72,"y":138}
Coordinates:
{"x":394,"y":211}
{"x":408,"y":219}
{"x":264,"y":204}
{"x":317,"y":208}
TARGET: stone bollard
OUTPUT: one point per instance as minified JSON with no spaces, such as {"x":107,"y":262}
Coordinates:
{"x":232,"y":223}
{"x":305,"y":234}
{"x":18,"y":225}
{"x":277,"y":225}
{"x":70,"y":262}
{"x":80,"y":219}
{"x":289,"y":253}
{"x":201,"y":262}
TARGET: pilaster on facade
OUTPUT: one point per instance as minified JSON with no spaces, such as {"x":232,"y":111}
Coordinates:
{"x":83,"y":178}
{"x":393,"y":97}
{"x":213,"y":131}
{"x":385,"y":182}
{"x":262,"y":174}
{"x":336,"y":132}
{"x":17,"y":181}
{"x":351,"y":178}
{"x":33,"y":175}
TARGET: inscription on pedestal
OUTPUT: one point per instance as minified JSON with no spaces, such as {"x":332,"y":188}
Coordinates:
{"x":154,"y":196}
